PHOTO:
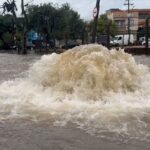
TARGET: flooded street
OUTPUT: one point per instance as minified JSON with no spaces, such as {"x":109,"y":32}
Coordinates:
{"x":13,"y":66}
{"x":28,"y":135}
{"x":42,"y":109}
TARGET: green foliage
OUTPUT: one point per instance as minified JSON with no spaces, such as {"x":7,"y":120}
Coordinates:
{"x":142,"y":32}
{"x":57,"y":22}
{"x":1,"y":44}
{"x":9,"y":6}
{"x":49,"y":20}
{"x":8,"y":38}
{"x":6,"y":30}
{"x":103,"y":23}
{"x":6,"y":19}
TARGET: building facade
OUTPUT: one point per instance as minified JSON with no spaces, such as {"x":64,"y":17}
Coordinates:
{"x":143,"y":15}
{"x":137,"y":19}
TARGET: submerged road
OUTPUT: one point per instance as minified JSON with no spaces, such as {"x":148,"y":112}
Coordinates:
{"x":19,"y":134}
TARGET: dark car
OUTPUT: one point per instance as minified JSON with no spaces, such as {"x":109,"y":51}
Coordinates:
{"x":102,"y":39}
{"x":70,"y":44}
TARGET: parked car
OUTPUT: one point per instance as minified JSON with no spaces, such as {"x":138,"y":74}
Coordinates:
{"x":141,"y":39}
{"x":120,"y":40}
{"x":70,"y":44}
{"x":102,"y":39}
{"x":30,"y":44}
{"x":144,"y":42}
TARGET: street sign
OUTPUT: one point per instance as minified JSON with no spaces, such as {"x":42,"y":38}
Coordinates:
{"x":95,"y":12}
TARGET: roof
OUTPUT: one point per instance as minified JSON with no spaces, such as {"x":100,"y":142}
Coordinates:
{"x":133,"y":10}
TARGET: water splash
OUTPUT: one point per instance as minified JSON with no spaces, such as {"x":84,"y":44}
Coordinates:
{"x":89,"y":71}
{"x":101,"y":91}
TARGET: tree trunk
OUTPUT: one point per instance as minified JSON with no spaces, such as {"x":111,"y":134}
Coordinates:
{"x":15,"y":18}
{"x":25,"y":22}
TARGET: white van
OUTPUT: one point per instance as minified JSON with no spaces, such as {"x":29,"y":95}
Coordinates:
{"x":122,"y":40}
{"x":144,"y":42}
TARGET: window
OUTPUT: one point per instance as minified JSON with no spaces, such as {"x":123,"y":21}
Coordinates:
{"x":143,"y":16}
{"x":132,"y":23}
{"x":120,"y":23}
{"x":120,"y":38}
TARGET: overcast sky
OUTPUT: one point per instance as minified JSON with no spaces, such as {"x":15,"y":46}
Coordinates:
{"x":85,"y":7}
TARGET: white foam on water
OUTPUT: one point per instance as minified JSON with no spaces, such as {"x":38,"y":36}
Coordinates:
{"x":101,"y":91}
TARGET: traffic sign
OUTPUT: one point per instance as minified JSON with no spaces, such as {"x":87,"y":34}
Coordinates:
{"x":95,"y":12}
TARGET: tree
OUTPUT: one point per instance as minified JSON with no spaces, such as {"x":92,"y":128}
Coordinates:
{"x":71,"y":26}
{"x":57,"y":22}
{"x":6,"y":30}
{"x":103,"y":23}
{"x":25,"y":26}
{"x":10,"y":6}
{"x":48,"y":20}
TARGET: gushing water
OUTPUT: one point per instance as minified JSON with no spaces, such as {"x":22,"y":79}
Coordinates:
{"x":103,"y":92}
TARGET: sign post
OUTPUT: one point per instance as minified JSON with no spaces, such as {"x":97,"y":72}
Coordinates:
{"x":95,"y":11}
{"x":95,"y":16}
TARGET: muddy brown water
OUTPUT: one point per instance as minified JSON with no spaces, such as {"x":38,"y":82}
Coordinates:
{"x":24,"y":134}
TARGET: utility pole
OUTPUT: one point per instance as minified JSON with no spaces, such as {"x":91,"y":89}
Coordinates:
{"x":24,"y":28}
{"x":128,"y":3}
{"x":95,"y":15}
{"x":147,"y":33}
{"x":108,"y":34}
{"x":25,"y":24}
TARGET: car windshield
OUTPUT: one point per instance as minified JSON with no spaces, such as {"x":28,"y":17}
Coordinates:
{"x":145,"y":40}
{"x":115,"y":38}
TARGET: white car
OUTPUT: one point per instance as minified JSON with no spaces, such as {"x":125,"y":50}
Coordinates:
{"x":141,"y":39}
{"x":120,"y":40}
{"x":144,"y":42}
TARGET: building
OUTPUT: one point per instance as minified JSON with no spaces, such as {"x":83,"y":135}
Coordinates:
{"x":143,"y":15}
{"x":137,"y":19}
